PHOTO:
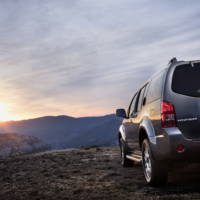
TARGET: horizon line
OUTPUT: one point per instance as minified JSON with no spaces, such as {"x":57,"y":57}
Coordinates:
{"x":87,"y":116}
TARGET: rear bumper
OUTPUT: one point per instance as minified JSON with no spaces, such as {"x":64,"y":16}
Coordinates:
{"x":165,"y":147}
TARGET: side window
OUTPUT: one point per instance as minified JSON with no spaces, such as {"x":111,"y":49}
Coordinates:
{"x":140,"y":100}
{"x":132,"y":108}
{"x":155,"y":88}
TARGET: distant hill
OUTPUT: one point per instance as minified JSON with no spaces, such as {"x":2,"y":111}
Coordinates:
{"x":13,"y":144}
{"x":101,"y":135}
{"x":67,"y":132}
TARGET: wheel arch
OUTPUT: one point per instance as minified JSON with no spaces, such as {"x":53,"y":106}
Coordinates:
{"x":142,"y":135}
{"x":146,"y":130}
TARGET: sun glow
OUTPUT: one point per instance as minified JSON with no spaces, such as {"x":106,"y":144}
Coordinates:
{"x":4,"y":116}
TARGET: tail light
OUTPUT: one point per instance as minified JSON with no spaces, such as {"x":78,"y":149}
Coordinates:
{"x":168,"y":115}
{"x":180,"y":148}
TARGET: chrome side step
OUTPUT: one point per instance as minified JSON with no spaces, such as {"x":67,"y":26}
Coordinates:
{"x":137,"y":157}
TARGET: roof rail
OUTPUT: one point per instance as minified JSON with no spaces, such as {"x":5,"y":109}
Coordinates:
{"x":173,"y":60}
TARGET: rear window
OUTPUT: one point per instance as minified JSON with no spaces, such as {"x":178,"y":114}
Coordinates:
{"x":186,"y":80}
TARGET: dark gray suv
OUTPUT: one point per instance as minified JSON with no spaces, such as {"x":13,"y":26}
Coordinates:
{"x":162,"y":124}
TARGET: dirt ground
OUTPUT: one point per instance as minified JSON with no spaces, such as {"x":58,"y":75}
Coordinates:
{"x":93,"y":173}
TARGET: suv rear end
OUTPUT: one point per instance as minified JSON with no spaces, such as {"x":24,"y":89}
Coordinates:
{"x":162,"y":123}
{"x":182,"y":92}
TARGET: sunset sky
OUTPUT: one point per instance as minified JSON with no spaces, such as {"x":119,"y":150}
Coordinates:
{"x":87,"y":57}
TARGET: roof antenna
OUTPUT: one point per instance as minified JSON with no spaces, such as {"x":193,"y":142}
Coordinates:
{"x":173,"y":60}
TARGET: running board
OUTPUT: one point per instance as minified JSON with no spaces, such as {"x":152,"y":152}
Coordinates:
{"x":135,"y":157}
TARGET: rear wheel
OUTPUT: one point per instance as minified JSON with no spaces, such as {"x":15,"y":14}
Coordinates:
{"x":123,"y":150}
{"x":155,"y":172}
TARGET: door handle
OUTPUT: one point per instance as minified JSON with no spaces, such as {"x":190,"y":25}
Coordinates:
{"x":144,"y":101}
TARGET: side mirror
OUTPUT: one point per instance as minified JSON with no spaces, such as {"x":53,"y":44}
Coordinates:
{"x":121,"y":113}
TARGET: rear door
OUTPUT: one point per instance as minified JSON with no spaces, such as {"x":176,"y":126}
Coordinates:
{"x":129,"y":127}
{"x":136,"y":117}
{"x":186,"y":99}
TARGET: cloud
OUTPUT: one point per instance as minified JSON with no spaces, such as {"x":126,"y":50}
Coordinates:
{"x":80,"y":57}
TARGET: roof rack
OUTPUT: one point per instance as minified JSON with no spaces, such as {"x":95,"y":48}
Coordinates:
{"x":173,"y":60}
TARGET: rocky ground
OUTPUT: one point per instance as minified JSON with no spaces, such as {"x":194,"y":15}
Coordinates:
{"x":93,"y":173}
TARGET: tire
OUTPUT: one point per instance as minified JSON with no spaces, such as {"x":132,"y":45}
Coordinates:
{"x":123,"y":151}
{"x":155,"y":172}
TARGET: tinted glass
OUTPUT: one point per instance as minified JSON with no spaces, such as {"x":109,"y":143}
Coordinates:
{"x":155,"y":88}
{"x":140,"y":101}
{"x":133,"y":105}
{"x":186,"y":80}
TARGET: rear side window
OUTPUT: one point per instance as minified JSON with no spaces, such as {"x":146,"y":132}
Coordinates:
{"x":186,"y":80}
{"x":132,"y":108}
{"x":141,"y":98}
{"x":155,"y":88}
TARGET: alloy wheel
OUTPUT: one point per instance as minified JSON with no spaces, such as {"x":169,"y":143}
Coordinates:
{"x":147,"y":163}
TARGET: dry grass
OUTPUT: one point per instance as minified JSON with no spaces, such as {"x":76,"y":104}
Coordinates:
{"x":87,"y":174}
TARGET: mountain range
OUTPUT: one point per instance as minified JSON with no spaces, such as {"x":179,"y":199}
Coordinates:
{"x":59,"y":132}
